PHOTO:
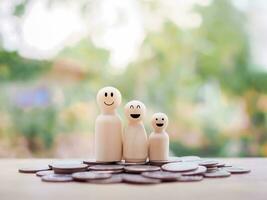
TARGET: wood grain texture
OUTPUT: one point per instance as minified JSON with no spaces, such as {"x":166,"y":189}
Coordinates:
{"x":17,"y":186}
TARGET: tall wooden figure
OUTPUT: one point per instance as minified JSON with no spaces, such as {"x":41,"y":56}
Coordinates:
{"x":159,"y":139}
{"x":108,"y":126}
{"x":135,"y":143}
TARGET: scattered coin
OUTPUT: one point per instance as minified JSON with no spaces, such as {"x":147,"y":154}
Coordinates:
{"x":106,"y":167}
{"x":200,"y":170}
{"x":236,"y":170}
{"x":57,"y":178}
{"x":220,"y":164}
{"x":208,"y":163}
{"x":138,"y":179}
{"x":69,"y":168}
{"x":217,"y":174}
{"x":43,"y":173}
{"x":123,"y":162}
{"x":162,"y":175}
{"x":108,"y":171}
{"x":141,"y":168}
{"x":116,"y":178}
{"x":34,"y":169}
{"x":180,"y":166}
{"x":162,"y":162}
{"x":189,"y":158}
{"x":86,"y":176}
{"x":64,"y":162}
{"x":94,"y":162}
{"x":190,"y":178}
{"x":212,"y":169}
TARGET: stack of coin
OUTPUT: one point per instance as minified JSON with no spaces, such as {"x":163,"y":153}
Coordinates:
{"x":176,"y":169}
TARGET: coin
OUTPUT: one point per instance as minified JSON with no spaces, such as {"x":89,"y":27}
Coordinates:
{"x":64,"y":162}
{"x":180,"y":166}
{"x":190,"y":178}
{"x":86,"y":176}
{"x":108,"y":171}
{"x":69,"y":168}
{"x":208,"y":163}
{"x":138,"y":179}
{"x":162,"y":162}
{"x":200,"y":170}
{"x":220,"y":173}
{"x":106,"y":167}
{"x":220,"y":164}
{"x":94,"y":162}
{"x":123,"y":162}
{"x":43,"y":173}
{"x":236,"y":170}
{"x":34,"y":169}
{"x":116,"y":178}
{"x":162,"y":175}
{"x":141,"y":168}
{"x":57,"y":178}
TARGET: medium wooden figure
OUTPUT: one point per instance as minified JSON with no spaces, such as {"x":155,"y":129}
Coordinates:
{"x":159,"y":139}
{"x":135,"y":142}
{"x":108,"y":126}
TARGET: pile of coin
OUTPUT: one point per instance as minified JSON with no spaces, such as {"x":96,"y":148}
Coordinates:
{"x":176,"y":169}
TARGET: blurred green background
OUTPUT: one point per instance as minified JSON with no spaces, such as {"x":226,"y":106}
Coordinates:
{"x":203,"y":62}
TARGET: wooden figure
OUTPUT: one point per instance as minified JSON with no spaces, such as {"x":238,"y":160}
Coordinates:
{"x":135,"y":143}
{"x":108,"y":126}
{"x":159,"y":139}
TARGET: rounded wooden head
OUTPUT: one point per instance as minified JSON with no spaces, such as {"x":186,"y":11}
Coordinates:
{"x":135,"y":111}
{"x":159,"y":122}
{"x":108,"y":98}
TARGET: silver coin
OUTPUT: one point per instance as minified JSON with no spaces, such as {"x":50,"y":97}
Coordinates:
{"x":34,"y":169}
{"x":220,"y":173}
{"x":116,"y":178}
{"x":162,"y":175}
{"x":180,"y":166}
{"x":208,"y":163}
{"x":236,"y":170}
{"x":123,"y":162}
{"x":190,"y":178}
{"x":43,"y":173}
{"x":86,"y":176}
{"x":138,"y":179}
{"x":93,"y":161}
{"x":106,"y":167}
{"x":57,"y":178}
{"x":108,"y":171}
{"x":200,"y":170}
{"x":69,"y":168}
{"x":141,"y":168}
{"x":64,"y":162}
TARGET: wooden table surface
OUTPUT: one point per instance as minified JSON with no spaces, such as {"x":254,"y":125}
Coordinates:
{"x":20,"y":186}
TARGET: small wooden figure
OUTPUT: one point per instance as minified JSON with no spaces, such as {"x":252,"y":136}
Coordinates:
{"x":159,"y":139}
{"x":108,"y":126}
{"x":135,"y":142}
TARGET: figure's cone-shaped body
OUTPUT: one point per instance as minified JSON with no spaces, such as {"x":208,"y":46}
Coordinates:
{"x":159,"y":139}
{"x":135,"y":143}
{"x":108,"y":126}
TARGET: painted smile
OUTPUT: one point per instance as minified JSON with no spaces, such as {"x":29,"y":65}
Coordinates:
{"x":160,"y":124}
{"x":108,"y":104}
{"x":135,"y":116}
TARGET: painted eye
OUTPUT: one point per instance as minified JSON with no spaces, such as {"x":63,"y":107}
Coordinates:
{"x":111,"y":94}
{"x":131,"y":106}
{"x":157,"y":119}
{"x":163,"y":119}
{"x":106,"y":94}
{"x":138,"y":106}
